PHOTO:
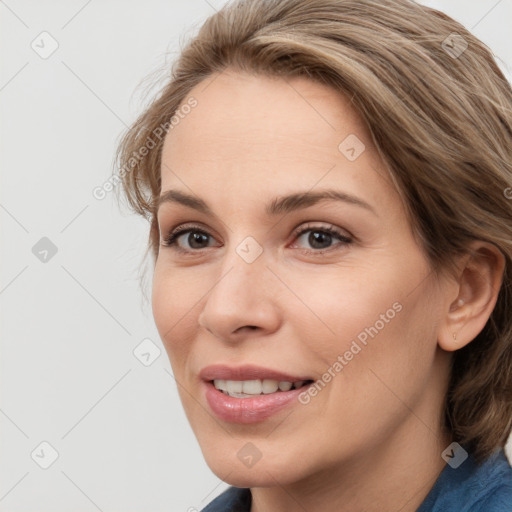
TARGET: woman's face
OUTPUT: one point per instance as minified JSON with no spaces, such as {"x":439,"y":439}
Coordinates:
{"x":264,"y":288}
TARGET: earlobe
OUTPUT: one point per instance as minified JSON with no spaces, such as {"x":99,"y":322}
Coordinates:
{"x":477,"y":287}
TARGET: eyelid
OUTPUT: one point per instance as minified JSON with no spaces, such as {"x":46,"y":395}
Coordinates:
{"x":187,"y":225}
{"x":327,"y":227}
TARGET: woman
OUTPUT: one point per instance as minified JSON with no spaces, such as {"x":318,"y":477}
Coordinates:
{"x":328,"y":184}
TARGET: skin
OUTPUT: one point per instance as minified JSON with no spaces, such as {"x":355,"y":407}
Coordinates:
{"x":371,"y":439}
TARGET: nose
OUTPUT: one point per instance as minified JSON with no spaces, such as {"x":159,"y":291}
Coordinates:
{"x":242,"y":301}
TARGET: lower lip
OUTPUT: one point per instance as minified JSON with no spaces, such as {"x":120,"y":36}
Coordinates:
{"x":249,"y":410}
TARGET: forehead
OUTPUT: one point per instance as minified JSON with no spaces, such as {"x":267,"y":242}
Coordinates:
{"x":267,"y":132}
{"x":239,"y":114}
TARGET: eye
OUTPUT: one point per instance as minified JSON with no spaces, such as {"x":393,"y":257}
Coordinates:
{"x":189,"y":239}
{"x":320,"y":238}
{"x":195,"y":240}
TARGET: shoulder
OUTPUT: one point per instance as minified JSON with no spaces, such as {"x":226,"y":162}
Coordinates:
{"x":471,"y":487}
{"x":233,"y":499}
{"x":495,"y":492}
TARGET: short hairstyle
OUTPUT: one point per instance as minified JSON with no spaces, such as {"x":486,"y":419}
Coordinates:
{"x":439,"y":111}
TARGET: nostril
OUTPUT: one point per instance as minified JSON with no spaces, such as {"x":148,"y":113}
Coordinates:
{"x":251,"y":327}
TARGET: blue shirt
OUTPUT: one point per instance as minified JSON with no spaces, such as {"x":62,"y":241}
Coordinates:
{"x":468,"y":488}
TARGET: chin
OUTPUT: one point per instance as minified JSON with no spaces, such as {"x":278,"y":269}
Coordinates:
{"x":266,"y":472}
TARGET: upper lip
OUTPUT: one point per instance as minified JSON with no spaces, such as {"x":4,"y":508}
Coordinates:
{"x":246,"y":372}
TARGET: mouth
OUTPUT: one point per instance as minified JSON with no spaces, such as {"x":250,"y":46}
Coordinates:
{"x":256,"y":387}
{"x":248,"y":393}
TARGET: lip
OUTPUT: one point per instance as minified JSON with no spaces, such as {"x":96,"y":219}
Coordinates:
{"x":246,"y":372}
{"x":248,"y":410}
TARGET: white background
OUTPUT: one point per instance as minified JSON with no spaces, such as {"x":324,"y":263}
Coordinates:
{"x":70,"y":325}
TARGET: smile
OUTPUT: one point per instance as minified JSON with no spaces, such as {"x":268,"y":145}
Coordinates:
{"x":251,"y":388}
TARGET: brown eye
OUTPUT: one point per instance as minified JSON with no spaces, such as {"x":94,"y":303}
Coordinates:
{"x":196,"y":239}
{"x":321,"y":238}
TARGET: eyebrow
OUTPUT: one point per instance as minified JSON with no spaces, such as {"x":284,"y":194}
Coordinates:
{"x":278,"y":206}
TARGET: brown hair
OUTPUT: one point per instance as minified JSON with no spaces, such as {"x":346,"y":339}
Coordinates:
{"x":440,"y":114}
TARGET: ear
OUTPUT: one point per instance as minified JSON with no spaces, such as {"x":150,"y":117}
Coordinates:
{"x":476,"y":291}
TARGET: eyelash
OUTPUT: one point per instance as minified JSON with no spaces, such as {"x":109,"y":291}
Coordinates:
{"x":171,"y":239}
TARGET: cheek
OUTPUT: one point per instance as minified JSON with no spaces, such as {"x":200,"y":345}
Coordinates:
{"x":381,"y":326}
{"x":173,"y":301}
{"x":368,"y":397}
{"x":340,"y":307}
{"x":387,"y":360}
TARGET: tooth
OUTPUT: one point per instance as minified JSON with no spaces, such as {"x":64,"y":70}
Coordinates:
{"x":239,"y":395}
{"x":270,"y":386}
{"x":285,"y":385}
{"x":252,"y":387}
{"x":233,"y":386}
{"x":240,"y":388}
{"x":219,"y":383}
